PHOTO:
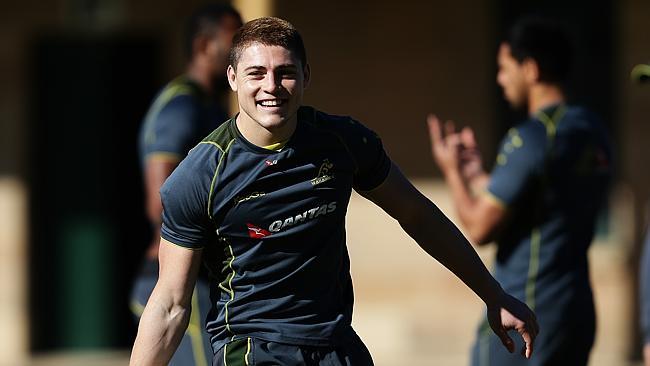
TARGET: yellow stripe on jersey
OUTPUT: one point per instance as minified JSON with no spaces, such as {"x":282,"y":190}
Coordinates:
{"x":276,"y":146}
{"x":173,"y":89}
{"x":136,"y":308}
{"x":231,"y":290}
{"x":550,"y":123}
{"x":180,"y":245}
{"x":533,"y":266}
{"x":248,"y":350}
{"x":194,"y":331}
{"x":216,"y":174}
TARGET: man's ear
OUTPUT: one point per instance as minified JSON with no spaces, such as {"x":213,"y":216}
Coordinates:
{"x":531,"y":70}
{"x":232,"y":77}
{"x":306,"y":70}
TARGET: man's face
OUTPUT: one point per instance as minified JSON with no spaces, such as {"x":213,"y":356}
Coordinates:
{"x":219,"y":44}
{"x":511,"y":78}
{"x":269,"y":82}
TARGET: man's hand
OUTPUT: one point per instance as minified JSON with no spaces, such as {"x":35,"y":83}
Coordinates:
{"x":455,"y":150}
{"x":508,"y":313}
{"x":471,"y":162}
{"x":444,"y":148}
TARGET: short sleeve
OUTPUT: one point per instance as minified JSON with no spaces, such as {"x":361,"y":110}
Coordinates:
{"x":172,"y":129}
{"x":185,"y":195}
{"x":519,"y":160}
{"x":372,"y":162}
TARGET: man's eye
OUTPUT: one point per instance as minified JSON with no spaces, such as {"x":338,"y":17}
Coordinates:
{"x":289,"y":75}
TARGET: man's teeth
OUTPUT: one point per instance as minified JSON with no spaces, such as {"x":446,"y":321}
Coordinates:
{"x":271,"y":103}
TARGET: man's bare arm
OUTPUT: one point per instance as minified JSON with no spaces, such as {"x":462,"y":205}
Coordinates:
{"x":440,"y":238}
{"x":167,"y":312}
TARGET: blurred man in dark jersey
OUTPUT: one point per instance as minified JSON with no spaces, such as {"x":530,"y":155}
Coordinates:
{"x":641,"y":73}
{"x":541,"y":200}
{"x":183,"y":112}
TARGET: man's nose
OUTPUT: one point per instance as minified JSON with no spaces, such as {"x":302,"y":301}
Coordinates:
{"x":272,"y":82}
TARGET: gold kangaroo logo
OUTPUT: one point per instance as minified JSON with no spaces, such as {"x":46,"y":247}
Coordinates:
{"x":325,"y":168}
{"x":323,"y":173}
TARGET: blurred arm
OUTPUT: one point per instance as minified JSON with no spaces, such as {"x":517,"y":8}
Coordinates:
{"x":481,"y":215}
{"x":456,"y":154}
{"x":157,"y":169}
{"x":644,"y":294}
{"x":167,"y":313}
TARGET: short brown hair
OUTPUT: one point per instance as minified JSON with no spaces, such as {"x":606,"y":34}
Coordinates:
{"x":269,"y":31}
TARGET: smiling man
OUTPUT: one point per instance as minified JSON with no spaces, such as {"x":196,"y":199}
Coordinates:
{"x":262,"y":201}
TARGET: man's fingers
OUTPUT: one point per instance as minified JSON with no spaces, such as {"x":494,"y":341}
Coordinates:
{"x":467,"y":138}
{"x":434,"y":129}
{"x":528,"y":339}
{"x":508,"y":343}
{"x":532,"y":326}
{"x":450,"y":128}
{"x":535,"y":327}
{"x":516,"y":315}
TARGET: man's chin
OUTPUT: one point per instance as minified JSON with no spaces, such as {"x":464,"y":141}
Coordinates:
{"x":276,"y":120}
{"x":517,"y":105}
{"x":273,"y":124}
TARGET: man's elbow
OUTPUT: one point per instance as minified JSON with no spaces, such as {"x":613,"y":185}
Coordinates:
{"x":480,"y":236}
{"x":173,"y":306}
{"x":180,"y":314}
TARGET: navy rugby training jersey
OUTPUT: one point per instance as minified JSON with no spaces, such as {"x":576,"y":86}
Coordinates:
{"x":179,"y":117}
{"x":552,"y":172}
{"x":644,"y":277}
{"x":272,"y":225}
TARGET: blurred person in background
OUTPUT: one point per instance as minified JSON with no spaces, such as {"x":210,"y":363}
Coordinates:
{"x":541,"y":200}
{"x":182,"y":113}
{"x":641,"y":74}
{"x":645,"y":296}
{"x":263,"y":199}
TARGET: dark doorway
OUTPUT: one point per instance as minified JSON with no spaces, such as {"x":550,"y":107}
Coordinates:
{"x":87,"y":218}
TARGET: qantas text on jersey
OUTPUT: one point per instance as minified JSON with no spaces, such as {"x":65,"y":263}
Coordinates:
{"x":302,"y":217}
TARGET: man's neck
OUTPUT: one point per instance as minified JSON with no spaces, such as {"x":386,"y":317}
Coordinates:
{"x":261,"y":136}
{"x":544,"y":95}
{"x":199,"y":75}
